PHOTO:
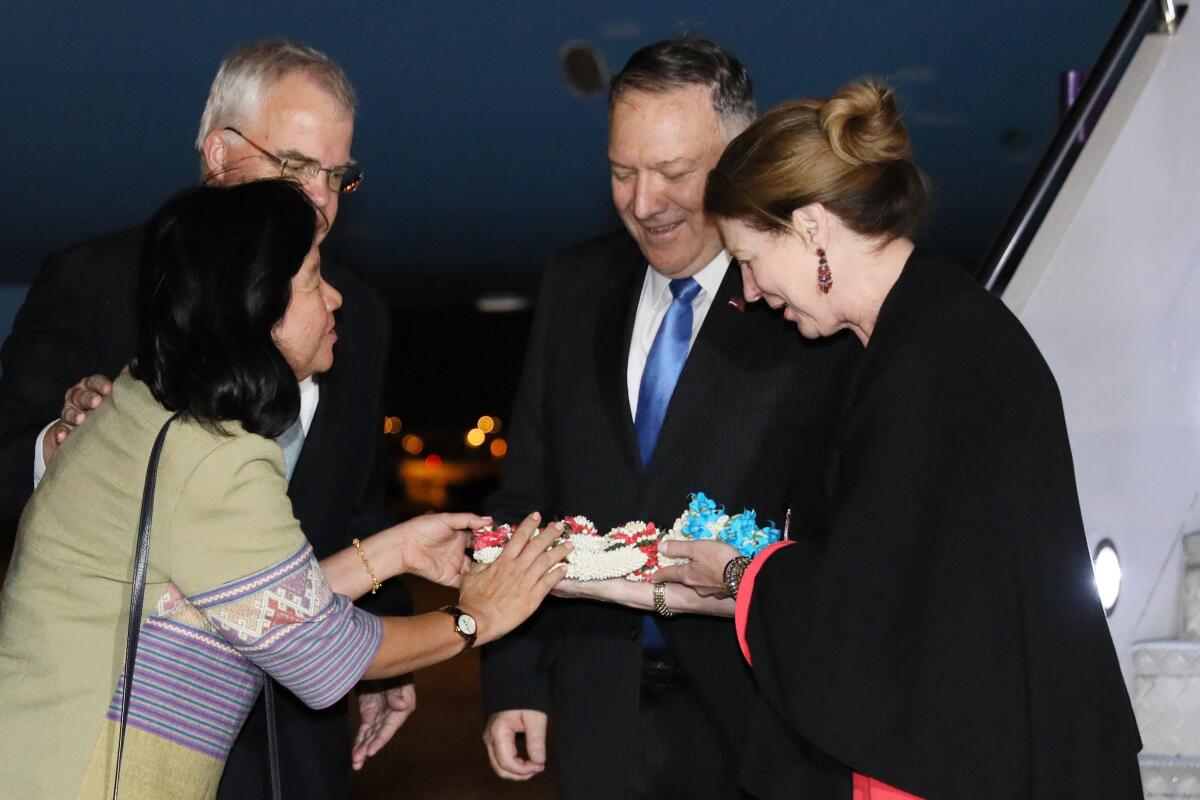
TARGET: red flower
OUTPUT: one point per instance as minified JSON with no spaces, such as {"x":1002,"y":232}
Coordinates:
{"x":573,"y":525}
{"x":486,"y":537}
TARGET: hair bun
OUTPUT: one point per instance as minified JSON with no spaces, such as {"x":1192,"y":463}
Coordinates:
{"x":863,"y":125}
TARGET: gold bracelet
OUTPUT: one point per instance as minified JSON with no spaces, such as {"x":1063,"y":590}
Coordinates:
{"x":375,"y":584}
{"x":660,"y":600}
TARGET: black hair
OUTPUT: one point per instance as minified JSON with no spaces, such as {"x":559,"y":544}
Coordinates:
{"x":215,"y":278}
{"x":689,"y":61}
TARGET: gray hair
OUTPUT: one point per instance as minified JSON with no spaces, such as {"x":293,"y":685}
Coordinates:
{"x":253,"y":68}
{"x":691,"y":61}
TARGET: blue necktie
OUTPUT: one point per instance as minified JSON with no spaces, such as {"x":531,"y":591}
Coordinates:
{"x":663,"y":365}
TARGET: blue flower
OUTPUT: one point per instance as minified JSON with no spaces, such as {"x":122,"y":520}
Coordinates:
{"x":701,"y":516}
{"x":741,"y":531}
{"x":703,"y":506}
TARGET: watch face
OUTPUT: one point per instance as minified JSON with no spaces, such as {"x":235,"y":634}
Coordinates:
{"x":466,"y":624}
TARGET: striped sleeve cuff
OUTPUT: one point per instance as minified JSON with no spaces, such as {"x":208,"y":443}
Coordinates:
{"x":288,"y":621}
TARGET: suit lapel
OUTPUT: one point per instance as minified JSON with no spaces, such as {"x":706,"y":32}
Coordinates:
{"x":301,"y":488}
{"x":616,"y":311}
{"x":720,"y":339}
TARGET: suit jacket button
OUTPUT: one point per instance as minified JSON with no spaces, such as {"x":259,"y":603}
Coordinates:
{"x":634,"y":633}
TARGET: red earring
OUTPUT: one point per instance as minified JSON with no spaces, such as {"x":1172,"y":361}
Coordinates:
{"x":824,"y":276}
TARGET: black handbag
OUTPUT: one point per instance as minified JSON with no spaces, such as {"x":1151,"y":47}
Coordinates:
{"x":141,"y":562}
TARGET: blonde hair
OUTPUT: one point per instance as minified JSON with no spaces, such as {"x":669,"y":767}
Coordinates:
{"x":849,"y":152}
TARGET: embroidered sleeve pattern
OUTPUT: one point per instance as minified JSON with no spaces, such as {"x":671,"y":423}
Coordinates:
{"x":288,"y":621}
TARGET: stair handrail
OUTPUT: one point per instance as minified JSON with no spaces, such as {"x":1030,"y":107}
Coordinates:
{"x":1001,"y":261}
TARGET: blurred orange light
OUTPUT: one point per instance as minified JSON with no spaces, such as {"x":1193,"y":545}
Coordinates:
{"x":499,"y":448}
{"x":391,"y":425}
{"x":433,"y":461}
{"x":412,"y":444}
{"x":475,"y":437}
{"x":486,"y":424}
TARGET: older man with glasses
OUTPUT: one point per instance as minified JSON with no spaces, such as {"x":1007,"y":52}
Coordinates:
{"x":297,"y":167}
{"x":275,"y":108}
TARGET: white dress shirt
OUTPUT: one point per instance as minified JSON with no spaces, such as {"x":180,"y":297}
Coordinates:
{"x":310,"y":395}
{"x":652,"y":307}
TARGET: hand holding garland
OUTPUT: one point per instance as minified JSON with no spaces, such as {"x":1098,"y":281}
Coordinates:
{"x":680,"y":598}
{"x":500,"y":596}
{"x":429,"y":546}
{"x":704,"y":572}
{"x":633,"y":550}
{"x":503,"y":594}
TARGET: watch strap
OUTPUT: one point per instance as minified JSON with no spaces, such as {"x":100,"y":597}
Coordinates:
{"x":457,"y":613}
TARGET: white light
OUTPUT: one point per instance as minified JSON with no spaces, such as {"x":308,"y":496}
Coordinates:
{"x":1107,"y":569}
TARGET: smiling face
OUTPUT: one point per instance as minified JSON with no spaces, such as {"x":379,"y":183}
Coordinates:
{"x":781,"y":269}
{"x":298,"y":120}
{"x":661,"y":148}
{"x":305,"y":336}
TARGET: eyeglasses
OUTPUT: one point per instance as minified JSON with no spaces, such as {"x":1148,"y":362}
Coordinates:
{"x":342,"y":180}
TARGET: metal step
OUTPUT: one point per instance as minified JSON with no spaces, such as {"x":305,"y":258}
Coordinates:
{"x":1166,"y":696}
{"x":1165,"y":777}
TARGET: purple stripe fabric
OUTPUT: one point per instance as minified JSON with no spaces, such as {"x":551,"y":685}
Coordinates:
{"x":322,"y":660}
{"x":326,"y":659}
{"x":189,"y":688}
{"x":194,"y":687}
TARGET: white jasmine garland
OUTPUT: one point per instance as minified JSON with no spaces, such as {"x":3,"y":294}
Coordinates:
{"x":598,"y":566}
{"x":486,"y":555}
{"x":631,"y":550}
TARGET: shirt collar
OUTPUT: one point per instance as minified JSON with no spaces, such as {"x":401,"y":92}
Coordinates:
{"x":310,"y":394}
{"x":709,"y":278}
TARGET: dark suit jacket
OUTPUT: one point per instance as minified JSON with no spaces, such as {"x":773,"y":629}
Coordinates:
{"x":750,"y":398}
{"x":936,"y":624}
{"x":78,"y":320}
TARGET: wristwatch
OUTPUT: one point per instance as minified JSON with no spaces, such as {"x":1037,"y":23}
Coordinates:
{"x":464,"y":624}
{"x":734,"y":571}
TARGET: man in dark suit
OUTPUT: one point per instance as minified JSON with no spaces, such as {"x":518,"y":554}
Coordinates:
{"x":644,"y":382}
{"x":275,"y":108}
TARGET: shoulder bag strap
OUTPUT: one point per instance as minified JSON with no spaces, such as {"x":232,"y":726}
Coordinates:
{"x":141,"y":561}
{"x":272,"y":736}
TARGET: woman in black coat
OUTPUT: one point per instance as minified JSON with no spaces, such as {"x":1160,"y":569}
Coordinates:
{"x":934,"y":629}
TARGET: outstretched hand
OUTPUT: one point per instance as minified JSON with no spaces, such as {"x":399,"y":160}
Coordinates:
{"x":434,"y":545}
{"x":503,"y":594}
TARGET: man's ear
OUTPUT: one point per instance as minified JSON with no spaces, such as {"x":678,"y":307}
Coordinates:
{"x":811,"y":222}
{"x":216,"y":157}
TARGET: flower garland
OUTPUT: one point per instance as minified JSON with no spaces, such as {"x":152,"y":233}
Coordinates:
{"x":630,"y":551}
